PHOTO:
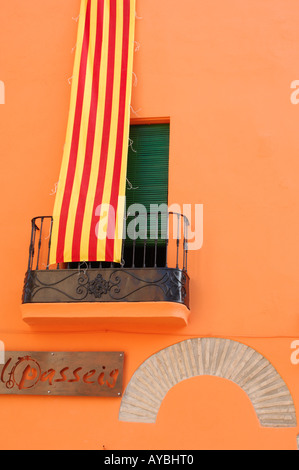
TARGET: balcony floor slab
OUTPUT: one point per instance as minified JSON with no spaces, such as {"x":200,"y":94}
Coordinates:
{"x":139,"y":316}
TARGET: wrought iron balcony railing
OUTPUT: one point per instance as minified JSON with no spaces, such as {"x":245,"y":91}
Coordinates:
{"x":153,"y":268}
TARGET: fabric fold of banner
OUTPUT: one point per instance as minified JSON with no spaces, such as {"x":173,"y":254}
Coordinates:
{"x":90,"y":201}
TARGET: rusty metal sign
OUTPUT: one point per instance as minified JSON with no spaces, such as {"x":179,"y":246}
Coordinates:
{"x":98,"y":374}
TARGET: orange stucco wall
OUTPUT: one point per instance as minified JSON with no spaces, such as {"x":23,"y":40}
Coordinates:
{"x":222,"y":70}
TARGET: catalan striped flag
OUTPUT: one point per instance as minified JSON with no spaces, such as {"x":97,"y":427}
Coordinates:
{"x":90,"y":200}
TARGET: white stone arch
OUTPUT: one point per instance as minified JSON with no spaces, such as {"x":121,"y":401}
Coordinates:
{"x":217,"y":357}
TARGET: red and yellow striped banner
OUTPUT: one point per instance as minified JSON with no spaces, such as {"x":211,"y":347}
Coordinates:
{"x":94,"y":166}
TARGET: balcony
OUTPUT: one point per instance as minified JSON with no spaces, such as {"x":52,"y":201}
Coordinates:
{"x":153,"y":270}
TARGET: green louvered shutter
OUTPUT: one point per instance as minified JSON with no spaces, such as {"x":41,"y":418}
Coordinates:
{"x":147,"y":173}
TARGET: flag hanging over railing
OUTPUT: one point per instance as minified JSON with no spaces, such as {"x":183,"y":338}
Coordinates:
{"x":89,"y":206}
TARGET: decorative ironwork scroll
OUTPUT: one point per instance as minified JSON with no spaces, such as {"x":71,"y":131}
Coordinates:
{"x":107,"y":285}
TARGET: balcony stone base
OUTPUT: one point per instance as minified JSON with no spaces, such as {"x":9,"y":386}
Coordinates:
{"x":122,"y":316}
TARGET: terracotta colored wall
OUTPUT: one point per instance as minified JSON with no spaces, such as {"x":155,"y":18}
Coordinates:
{"x":222,"y":71}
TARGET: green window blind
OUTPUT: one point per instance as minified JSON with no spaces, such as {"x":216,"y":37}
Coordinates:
{"x":147,"y":174}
